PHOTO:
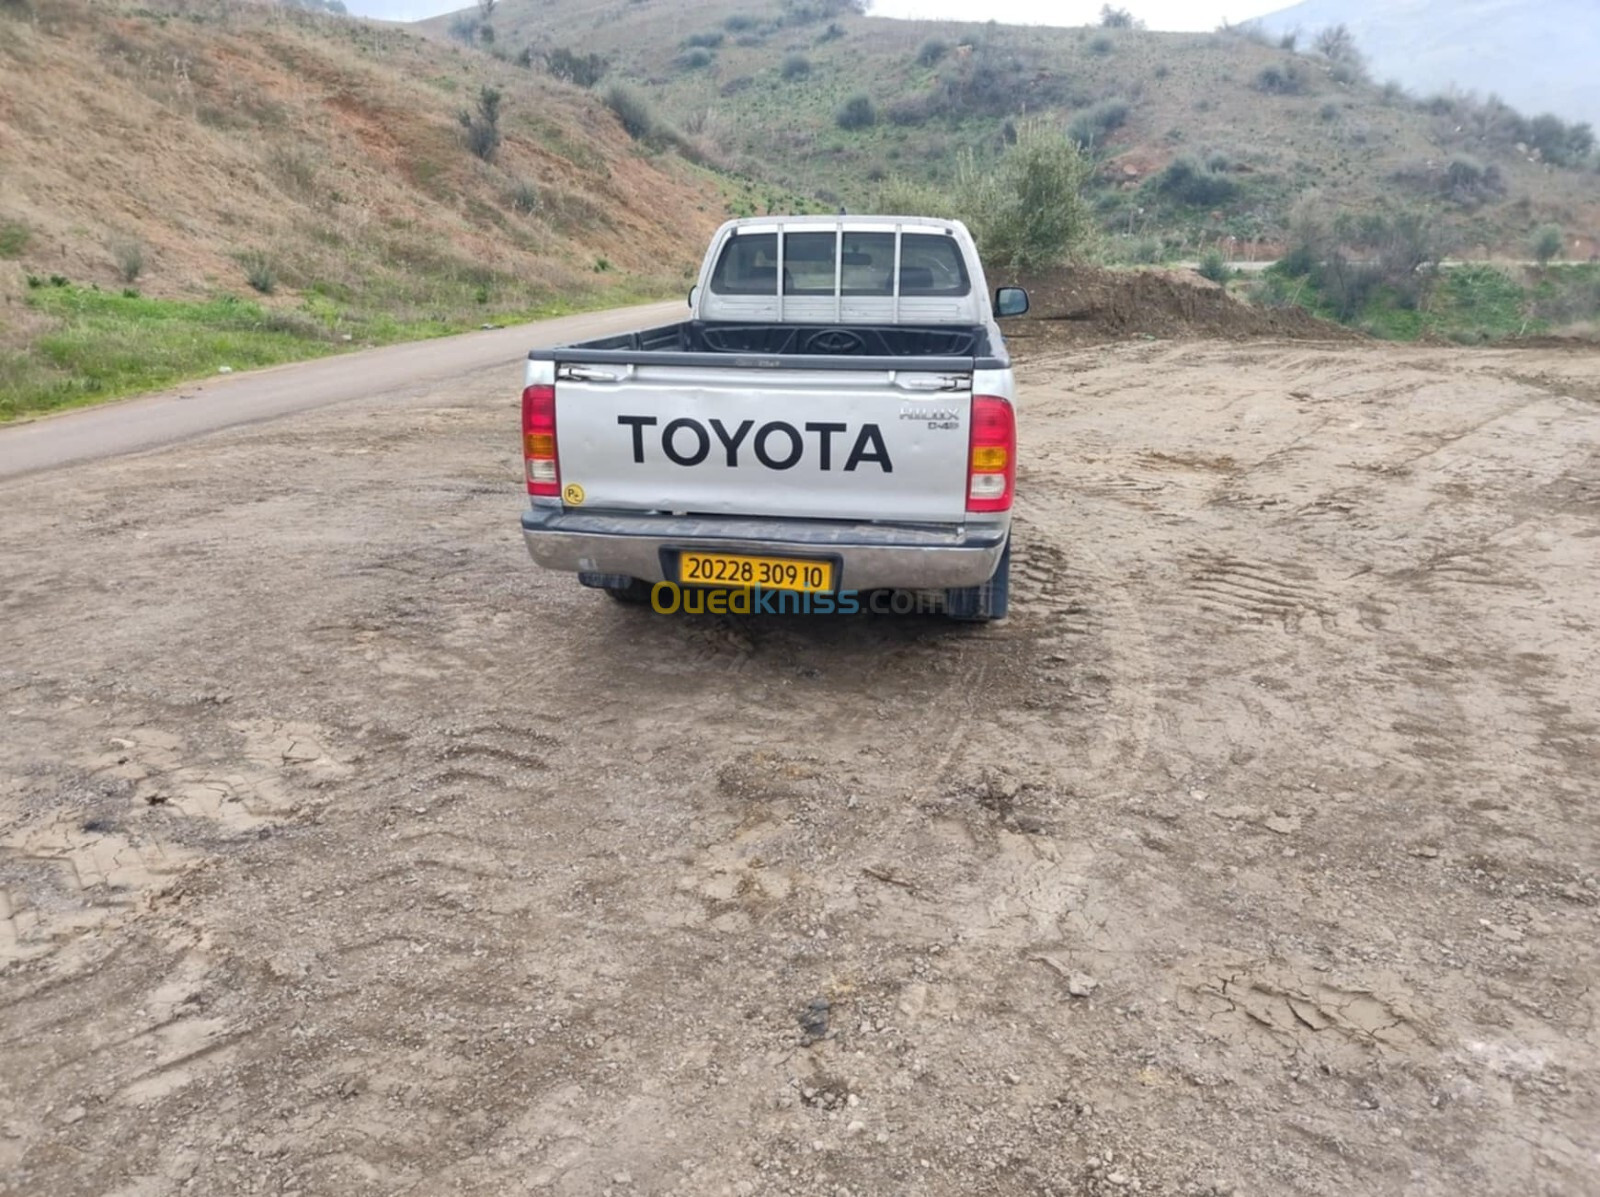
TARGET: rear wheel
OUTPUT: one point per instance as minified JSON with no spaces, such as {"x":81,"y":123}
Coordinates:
{"x":986,"y":602}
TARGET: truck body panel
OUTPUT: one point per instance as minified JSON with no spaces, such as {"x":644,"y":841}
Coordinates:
{"x":834,"y":417}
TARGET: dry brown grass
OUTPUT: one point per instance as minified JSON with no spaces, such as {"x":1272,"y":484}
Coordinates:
{"x":210,"y":131}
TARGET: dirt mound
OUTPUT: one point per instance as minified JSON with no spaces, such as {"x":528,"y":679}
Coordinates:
{"x":1079,"y":305}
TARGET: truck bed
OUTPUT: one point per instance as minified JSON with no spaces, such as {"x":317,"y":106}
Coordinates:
{"x":802,"y":346}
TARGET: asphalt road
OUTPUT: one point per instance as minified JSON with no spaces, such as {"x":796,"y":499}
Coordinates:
{"x":198,"y":408}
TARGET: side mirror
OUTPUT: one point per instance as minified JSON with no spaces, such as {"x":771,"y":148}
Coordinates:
{"x":1010,"y":301}
{"x":694,"y":294}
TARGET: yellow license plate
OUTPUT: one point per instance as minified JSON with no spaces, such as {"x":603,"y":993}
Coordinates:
{"x":770,"y":573}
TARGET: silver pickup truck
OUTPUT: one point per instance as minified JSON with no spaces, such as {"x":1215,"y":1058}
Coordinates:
{"x":836,"y":417}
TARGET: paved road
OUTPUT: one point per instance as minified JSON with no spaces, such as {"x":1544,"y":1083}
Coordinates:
{"x":197,"y":408}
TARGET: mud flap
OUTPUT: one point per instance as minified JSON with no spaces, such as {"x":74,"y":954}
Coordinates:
{"x":980,"y":604}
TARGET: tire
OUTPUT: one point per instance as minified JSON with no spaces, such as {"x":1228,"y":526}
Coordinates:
{"x":985,"y":603}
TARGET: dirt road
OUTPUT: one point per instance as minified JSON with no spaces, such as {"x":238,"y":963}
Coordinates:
{"x":342,"y":852}
{"x":397,"y":373}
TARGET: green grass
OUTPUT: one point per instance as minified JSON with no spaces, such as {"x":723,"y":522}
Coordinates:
{"x":105,"y":345}
{"x":14,"y":239}
{"x":1475,"y":303}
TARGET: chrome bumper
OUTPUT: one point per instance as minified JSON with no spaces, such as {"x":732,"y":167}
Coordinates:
{"x":869,"y":556}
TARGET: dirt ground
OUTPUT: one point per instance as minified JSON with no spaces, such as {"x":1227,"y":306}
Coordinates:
{"x":343,"y":852}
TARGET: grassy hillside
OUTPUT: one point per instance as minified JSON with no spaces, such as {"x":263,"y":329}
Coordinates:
{"x":1539,"y":55}
{"x":1201,"y":138}
{"x":202,"y":184}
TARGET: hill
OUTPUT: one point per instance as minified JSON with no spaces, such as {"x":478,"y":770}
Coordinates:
{"x":1539,"y":55}
{"x":295,"y":181}
{"x":1201,"y":138}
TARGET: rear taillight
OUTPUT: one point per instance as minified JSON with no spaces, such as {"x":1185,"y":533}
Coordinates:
{"x":992,"y":459}
{"x":539,"y":440}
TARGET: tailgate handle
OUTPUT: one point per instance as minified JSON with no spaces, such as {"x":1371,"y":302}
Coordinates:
{"x":922,"y":382}
{"x":591,"y":374}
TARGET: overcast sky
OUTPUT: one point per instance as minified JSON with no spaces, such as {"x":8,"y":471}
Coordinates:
{"x":1157,"y":14}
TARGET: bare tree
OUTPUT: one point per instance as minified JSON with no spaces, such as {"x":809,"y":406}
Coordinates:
{"x":486,"y":8}
{"x":1338,"y":43}
{"x":1118,"y":18}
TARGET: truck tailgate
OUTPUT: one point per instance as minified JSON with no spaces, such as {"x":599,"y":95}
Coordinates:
{"x":808,"y":444}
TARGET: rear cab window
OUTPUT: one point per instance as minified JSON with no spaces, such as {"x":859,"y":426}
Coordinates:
{"x":930,"y":264}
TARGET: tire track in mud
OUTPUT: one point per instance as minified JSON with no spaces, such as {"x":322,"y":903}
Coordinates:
{"x":1257,"y":589}
{"x":1085,"y":643}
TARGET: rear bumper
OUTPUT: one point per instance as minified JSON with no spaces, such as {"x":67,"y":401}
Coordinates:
{"x":870,"y":556}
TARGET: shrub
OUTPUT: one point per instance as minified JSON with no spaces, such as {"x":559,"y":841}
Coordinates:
{"x":695,"y":59}
{"x":1091,"y":128}
{"x":482,"y":125}
{"x":1214,"y":266}
{"x":1189,"y":182}
{"x":1027,"y":211}
{"x":856,"y":113}
{"x":295,"y":169}
{"x":585,"y":70}
{"x":1144,"y":251}
{"x":1289,"y":41}
{"x":524,"y":197}
{"x":14,"y":238}
{"x":1117,"y":18}
{"x":1274,"y":290}
{"x":932,"y":52}
{"x":1101,"y":45}
{"x":1329,"y":112}
{"x":464,"y":28}
{"x":1248,"y":31}
{"x":808,"y":12}
{"x":1348,"y":72}
{"x":1464,"y":180}
{"x":705,"y":41}
{"x":796,"y":66}
{"x":899,"y":196}
{"x":741,"y":23}
{"x":912,"y":110}
{"x":1397,"y":254}
{"x":1289,"y":79}
{"x":996,"y":80}
{"x":128,"y":252}
{"x":1567,"y":297}
{"x":259,"y":272}
{"x":1558,"y":142}
{"x":1548,"y":243}
{"x":632,"y":109}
